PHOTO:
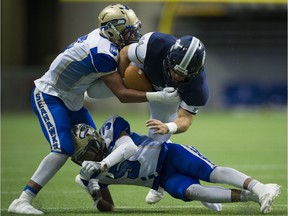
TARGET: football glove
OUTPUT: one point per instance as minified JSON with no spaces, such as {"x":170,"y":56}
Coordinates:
{"x":167,"y":95}
{"x":90,"y":167}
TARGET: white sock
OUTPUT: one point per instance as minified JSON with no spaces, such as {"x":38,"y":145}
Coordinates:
{"x":48,"y":167}
{"x":255,"y":186}
{"x":27,"y":195}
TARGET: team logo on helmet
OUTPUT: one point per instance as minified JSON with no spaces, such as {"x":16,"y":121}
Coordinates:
{"x":120,"y":25}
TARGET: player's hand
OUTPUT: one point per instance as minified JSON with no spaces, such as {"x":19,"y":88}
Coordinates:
{"x":157,"y":126}
{"x":171,"y":95}
{"x":90,"y":167}
{"x":167,"y":95}
{"x":94,"y":190}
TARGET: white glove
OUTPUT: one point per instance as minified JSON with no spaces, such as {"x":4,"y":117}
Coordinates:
{"x":90,"y":167}
{"x":167,"y":95}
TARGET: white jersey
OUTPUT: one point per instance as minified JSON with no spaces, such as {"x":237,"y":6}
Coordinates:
{"x":141,"y":168}
{"x":79,"y":67}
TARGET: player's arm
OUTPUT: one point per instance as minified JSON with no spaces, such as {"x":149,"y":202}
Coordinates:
{"x":134,"y":53}
{"x":124,"y":149}
{"x":106,"y":202}
{"x":115,"y":84}
{"x":124,"y":60}
{"x":179,"y":125}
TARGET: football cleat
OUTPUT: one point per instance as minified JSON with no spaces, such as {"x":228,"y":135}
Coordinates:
{"x":154,"y":196}
{"x":250,"y":196}
{"x":213,"y":206}
{"x":267,"y":196}
{"x":21,"y":206}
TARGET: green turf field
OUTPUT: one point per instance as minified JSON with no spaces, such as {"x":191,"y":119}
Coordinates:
{"x":254,"y":143}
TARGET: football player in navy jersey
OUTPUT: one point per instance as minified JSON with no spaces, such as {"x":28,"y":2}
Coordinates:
{"x":116,"y":155}
{"x":58,"y":96}
{"x":174,"y":62}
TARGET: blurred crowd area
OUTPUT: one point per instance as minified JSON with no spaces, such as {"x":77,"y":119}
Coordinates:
{"x":246,"y":44}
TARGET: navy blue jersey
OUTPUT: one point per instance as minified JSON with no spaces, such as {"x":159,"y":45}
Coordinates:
{"x":194,"y":93}
{"x":157,"y":45}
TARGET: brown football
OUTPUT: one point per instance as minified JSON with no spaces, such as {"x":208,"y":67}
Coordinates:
{"x":134,"y":78}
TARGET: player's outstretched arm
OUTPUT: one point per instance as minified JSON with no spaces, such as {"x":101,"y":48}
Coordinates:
{"x":115,"y":84}
{"x":179,"y":125}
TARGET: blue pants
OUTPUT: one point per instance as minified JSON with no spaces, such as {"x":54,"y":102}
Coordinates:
{"x":184,"y":166}
{"x":56,"y":121}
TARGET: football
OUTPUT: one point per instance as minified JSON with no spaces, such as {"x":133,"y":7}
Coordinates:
{"x":134,"y":78}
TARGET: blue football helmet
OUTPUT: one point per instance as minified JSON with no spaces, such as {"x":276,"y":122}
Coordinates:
{"x":185,"y":58}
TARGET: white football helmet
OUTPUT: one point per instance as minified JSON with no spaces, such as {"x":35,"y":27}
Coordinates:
{"x":120,"y":25}
{"x":88,"y":144}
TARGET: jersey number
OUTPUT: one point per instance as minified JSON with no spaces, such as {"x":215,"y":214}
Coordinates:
{"x":130,"y":167}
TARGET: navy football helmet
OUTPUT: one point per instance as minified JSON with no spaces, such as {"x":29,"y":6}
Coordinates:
{"x":186,"y":58}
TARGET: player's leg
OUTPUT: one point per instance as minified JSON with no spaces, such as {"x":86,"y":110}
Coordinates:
{"x":164,"y":113}
{"x":177,"y":186}
{"x":82,"y":116}
{"x":188,"y":188}
{"x":189,"y":161}
{"x":265,"y":192}
{"x":55,"y":124}
{"x":216,"y":194}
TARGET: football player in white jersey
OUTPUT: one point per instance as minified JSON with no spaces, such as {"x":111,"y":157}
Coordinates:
{"x":58,"y":95}
{"x":174,"y":62}
{"x":119,"y":156}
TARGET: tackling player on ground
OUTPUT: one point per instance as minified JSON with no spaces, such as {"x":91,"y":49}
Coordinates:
{"x":120,"y":156}
{"x":58,"y":96}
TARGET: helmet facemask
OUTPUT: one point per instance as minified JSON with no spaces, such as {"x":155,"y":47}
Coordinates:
{"x":131,"y":34}
{"x":168,"y":67}
{"x":88,"y":144}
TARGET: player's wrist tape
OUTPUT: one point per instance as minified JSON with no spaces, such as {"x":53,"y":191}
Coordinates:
{"x":172,"y":127}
